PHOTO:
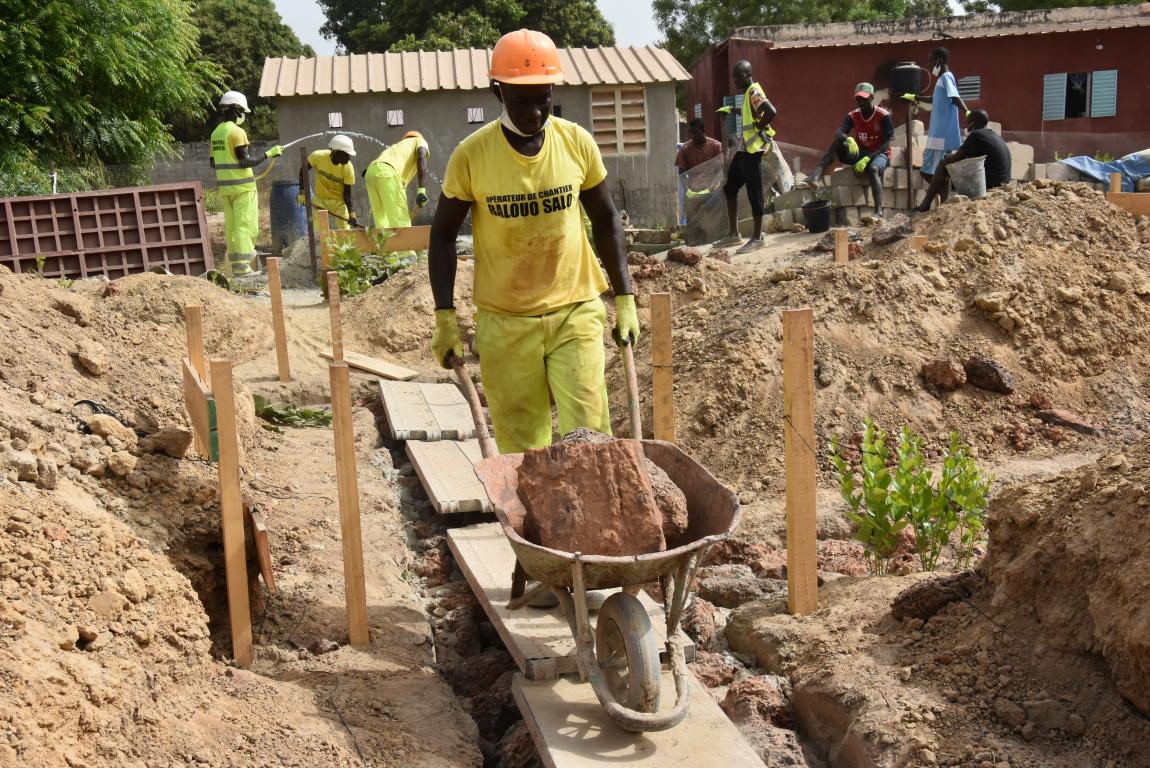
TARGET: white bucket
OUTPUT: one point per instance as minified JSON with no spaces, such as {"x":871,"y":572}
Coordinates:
{"x":968,"y":177}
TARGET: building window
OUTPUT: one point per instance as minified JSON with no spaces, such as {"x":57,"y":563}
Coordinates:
{"x":474,"y":115}
{"x":334,"y":119}
{"x":619,"y":120}
{"x":1067,"y":95}
{"x":699,"y":111}
{"x":394,"y":118}
{"x":970,"y":87}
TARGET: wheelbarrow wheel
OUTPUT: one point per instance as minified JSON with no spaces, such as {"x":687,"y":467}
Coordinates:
{"x":628,"y":652}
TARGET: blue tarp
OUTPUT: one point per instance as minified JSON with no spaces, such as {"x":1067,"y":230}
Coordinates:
{"x":1132,"y":167}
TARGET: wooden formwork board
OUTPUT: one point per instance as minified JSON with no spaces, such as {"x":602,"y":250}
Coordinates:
{"x":201,"y":411}
{"x":539,"y":640}
{"x":419,"y":411}
{"x":572,"y":730}
{"x":374,"y":365}
{"x":446,"y":468}
{"x":1137,"y":203}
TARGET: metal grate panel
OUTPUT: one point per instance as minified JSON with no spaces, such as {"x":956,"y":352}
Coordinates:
{"x":114,"y":232}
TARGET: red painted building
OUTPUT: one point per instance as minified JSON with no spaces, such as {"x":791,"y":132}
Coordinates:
{"x":1072,"y":80}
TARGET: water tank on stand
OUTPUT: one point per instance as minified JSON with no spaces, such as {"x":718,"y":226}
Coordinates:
{"x":288,"y":218}
{"x":907,"y":77}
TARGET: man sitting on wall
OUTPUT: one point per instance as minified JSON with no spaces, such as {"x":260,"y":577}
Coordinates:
{"x":980,"y":142}
{"x":869,"y":154}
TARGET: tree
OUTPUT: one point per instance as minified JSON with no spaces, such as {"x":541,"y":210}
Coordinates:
{"x":91,"y":81}
{"x":237,"y":35}
{"x":367,"y":26}
{"x":689,"y":26}
{"x":982,"y":6}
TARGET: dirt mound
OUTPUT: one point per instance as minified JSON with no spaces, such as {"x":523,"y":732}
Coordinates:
{"x":394,"y":320}
{"x":1073,"y":554}
{"x":1045,"y":281}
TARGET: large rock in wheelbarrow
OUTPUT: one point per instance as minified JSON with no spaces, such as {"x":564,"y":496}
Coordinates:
{"x":593,"y":498}
{"x":670,"y":500}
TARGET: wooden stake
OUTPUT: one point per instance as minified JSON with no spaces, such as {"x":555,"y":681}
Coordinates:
{"x":662,"y":372}
{"x":307,"y":204}
{"x":346,"y":473}
{"x":232,"y":512}
{"x":336,"y":325}
{"x":1115,"y":183}
{"x":322,"y":229}
{"x":917,"y":242}
{"x":194,"y":323}
{"x":842,"y":245}
{"x":799,"y":438}
{"x":278,"y":323}
{"x":909,"y":156}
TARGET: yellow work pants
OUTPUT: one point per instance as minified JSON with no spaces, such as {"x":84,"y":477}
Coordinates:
{"x":338,"y":207}
{"x":388,"y":196}
{"x":241,"y":227}
{"x":525,"y":361}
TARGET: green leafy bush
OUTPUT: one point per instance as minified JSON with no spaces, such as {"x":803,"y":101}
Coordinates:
{"x":897,"y":490}
{"x":358,"y":271}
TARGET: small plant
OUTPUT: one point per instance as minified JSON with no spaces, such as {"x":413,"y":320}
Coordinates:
{"x":288,"y":415}
{"x":897,"y":490}
{"x":212,"y":203}
{"x":359,"y":271}
{"x":41,"y":259}
{"x":65,"y":282}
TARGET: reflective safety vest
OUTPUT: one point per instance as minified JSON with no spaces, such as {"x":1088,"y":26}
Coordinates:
{"x":229,"y":175}
{"x":753,"y":138}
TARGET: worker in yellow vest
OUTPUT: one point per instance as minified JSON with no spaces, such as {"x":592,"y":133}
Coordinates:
{"x":745,"y":169}
{"x":334,"y":178}
{"x":539,"y":321}
{"x":236,"y":182}
{"x":388,"y":176}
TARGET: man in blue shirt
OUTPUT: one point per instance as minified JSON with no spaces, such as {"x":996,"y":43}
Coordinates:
{"x":944,"y":134}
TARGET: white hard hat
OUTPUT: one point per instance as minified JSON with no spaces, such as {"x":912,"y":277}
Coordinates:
{"x":235,"y":97}
{"x":341,"y":143}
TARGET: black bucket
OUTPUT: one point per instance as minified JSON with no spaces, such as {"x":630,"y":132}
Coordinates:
{"x":817,"y":214}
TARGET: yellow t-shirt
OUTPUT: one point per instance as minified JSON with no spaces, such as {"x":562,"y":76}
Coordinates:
{"x":329,"y":177}
{"x":532,"y":255}
{"x":403,"y":156}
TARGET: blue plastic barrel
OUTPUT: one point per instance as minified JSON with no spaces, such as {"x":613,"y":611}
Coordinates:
{"x":288,"y":218}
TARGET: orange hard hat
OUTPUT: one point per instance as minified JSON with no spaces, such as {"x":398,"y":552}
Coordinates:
{"x":526,"y":57}
{"x":413,"y":135}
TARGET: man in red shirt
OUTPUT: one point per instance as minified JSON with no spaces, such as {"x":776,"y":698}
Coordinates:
{"x":869,"y":153}
{"x":699,"y":147}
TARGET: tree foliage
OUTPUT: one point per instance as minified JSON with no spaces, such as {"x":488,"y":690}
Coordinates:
{"x":982,"y":6}
{"x":87,"y":81}
{"x":373,"y":26}
{"x":689,"y":26}
{"x":237,"y":35}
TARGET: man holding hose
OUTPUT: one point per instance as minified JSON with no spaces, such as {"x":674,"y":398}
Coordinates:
{"x":539,"y":319}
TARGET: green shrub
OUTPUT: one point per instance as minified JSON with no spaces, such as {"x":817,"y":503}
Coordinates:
{"x":898,"y":490}
{"x":212,"y":202}
{"x":358,"y":271}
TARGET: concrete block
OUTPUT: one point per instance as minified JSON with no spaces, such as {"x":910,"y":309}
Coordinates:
{"x":897,"y":178}
{"x":996,"y":127}
{"x":652,"y":236}
{"x":865,"y":210}
{"x":793,"y":199}
{"x":846,"y":177}
{"x":1061,"y":172}
{"x":786,"y":219}
{"x":799,"y":216}
{"x":1021,"y":158}
{"x":847,"y":216}
{"x":1038,"y":171}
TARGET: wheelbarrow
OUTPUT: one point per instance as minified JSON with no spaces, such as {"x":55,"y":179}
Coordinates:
{"x":620,"y":656}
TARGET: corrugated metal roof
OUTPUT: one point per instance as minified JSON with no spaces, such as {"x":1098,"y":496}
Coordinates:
{"x":465,"y":70}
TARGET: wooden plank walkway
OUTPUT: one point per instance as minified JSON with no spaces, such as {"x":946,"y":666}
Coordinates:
{"x":447,"y":470}
{"x":419,"y":411}
{"x":374,"y":365}
{"x":572,"y":730}
{"x":539,"y":640}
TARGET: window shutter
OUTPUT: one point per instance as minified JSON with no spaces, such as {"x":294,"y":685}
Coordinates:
{"x":1104,"y":93}
{"x":970,"y":87}
{"x":619,"y":120}
{"x":730,"y":124}
{"x":1054,"y":96}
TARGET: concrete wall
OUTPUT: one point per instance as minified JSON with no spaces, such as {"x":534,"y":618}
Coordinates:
{"x":645,"y":185}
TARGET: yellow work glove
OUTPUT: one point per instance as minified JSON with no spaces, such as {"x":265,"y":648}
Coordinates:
{"x":446,"y":341}
{"x":421,"y":198}
{"x":626,"y":320}
{"x":351,"y":219}
{"x":852,"y":146}
{"x":909,"y":97}
{"x":861,"y":165}
{"x":275,"y":151}
{"x":724,"y":110}
{"x":301,"y":199}
{"x":967,"y":113}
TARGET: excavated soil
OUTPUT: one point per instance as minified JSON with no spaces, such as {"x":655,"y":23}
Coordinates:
{"x":1047,"y":281}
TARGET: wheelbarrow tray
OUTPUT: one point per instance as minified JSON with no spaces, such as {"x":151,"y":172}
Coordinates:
{"x":712,"y":515}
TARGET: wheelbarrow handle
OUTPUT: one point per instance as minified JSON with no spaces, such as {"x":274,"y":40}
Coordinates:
{"x":632,"y":389}
{"x":486,"y":444}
